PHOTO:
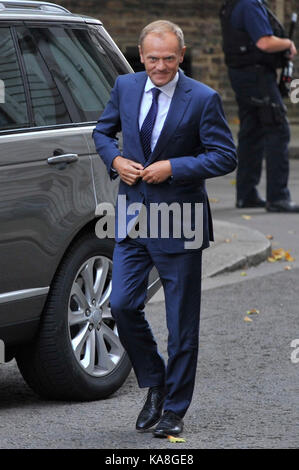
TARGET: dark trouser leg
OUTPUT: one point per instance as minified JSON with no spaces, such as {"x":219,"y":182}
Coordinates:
{"x":250,"y":152}
{"x":259,"y":135}
{"x":181,"y":278}
{"x":131,"y":266}
{"x":277,"y":137}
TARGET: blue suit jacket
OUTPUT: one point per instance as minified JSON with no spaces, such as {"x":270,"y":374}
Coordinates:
{"x":195,"y":138}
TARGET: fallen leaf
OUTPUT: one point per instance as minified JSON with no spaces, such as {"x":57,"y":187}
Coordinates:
{"x":270,"y":237}
{"x":288,"y":257}
{"x":247,"y":319}
{"x":252,"y":311}
{"x":287,"y":268}
{"x":175,"y":439}
{"x":243,"y":273}
{"x":213,"y":199}
{"x":227,"y":240}
{"x":280,"y":254}
{"x":246,"y":217}
{"x":233,"y":182}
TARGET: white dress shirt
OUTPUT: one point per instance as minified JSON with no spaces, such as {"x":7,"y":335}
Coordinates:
{"x":164,"y":101}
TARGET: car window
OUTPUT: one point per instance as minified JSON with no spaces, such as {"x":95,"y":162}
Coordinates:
{"x":13,"y":107}
{"x":47,"y":103}
{"x":80,"y":68}
{"x":100,"y":36}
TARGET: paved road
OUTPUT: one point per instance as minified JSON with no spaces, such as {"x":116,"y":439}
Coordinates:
{"x":247,"y":387}
{"x":246,"y":394}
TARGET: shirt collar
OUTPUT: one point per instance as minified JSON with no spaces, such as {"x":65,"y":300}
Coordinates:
{"x":168,"y":89}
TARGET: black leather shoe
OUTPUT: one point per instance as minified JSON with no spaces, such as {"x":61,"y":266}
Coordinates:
{"x":152,"y":409}
{"x":244,"y":204}
{"x":169,"y":425}
{"x":282,"y":206}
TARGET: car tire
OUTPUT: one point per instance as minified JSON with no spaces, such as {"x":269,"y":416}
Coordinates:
{"x":77,"y":354}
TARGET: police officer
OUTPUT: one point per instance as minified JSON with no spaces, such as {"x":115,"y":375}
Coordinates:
{"x":255,"y":46}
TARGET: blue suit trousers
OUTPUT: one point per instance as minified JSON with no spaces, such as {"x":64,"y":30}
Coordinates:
{"x":181,"y":279}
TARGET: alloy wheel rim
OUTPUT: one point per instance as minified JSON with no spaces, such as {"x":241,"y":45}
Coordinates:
{"x":92,"y":330}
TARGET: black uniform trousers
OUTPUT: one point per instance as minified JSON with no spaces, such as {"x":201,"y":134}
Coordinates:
{"x":264,"y":132}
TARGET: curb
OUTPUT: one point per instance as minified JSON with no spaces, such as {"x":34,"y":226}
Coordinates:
{"x":235,"y":247}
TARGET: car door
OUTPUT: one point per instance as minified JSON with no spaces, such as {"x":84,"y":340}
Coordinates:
{"x":46,"y":190}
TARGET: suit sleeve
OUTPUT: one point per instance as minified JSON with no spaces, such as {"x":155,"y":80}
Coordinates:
{"x":219,"y":156}
{"x":104,"y":134}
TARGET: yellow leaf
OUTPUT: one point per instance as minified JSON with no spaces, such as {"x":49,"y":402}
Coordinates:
{"x":287,"y":268}
{"x":288,"y":257}
{"x":233,"y":182}
{"x":271,"y":259}
{"x":270,"y":237}
{"x":243,"y":273}
{"x":175,"y":439}
{"x":227,"y":240}
{"x":279,"y":254}
{"x":252,"y":311}
{"x":213,"y":199}
{"x":246,"y":217}
{"x":247,"y":319}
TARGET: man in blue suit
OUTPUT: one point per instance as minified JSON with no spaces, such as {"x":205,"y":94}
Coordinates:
{"x":174,"y":137}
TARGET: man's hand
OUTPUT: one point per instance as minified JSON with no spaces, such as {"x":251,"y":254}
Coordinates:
{"x":157,"y":172}
{"x":128,"y":170}
{"x":293,"y":51}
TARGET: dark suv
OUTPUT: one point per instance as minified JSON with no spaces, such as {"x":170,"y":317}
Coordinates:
{"x":56,"y":72}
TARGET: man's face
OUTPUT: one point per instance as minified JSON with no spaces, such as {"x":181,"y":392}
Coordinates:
{"x":161,"y":56}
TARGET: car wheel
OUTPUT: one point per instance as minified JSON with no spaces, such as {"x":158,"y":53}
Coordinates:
{"x":77,"y":354}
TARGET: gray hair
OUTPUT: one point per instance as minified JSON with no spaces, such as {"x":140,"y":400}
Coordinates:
{"x":160,"y":27}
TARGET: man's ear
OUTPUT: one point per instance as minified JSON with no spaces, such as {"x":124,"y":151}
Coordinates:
{"x":141,"y":55}
{"x":182,"y":54}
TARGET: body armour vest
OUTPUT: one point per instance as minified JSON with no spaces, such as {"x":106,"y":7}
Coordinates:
{"x":238,"y":47}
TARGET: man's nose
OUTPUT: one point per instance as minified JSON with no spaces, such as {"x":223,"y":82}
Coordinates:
{"x":161,"y":65}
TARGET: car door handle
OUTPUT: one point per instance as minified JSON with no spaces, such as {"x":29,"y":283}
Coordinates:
{"x":65,"y":158}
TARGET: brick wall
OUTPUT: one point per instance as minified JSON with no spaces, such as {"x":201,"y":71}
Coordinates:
{"x":200,"y":23}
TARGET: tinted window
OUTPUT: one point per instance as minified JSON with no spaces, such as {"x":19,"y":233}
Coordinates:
{"x":48,"y":106}
{"x":101,"y":37}
{"x":80,"y":67}
{"x":13,"y":109}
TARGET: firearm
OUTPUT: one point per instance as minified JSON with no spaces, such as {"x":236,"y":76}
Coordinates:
{"x":287,"y":71}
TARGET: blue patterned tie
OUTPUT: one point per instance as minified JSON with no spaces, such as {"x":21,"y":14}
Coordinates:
{"x":148,"y":124}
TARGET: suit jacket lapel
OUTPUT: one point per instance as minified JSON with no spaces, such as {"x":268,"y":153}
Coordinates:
{"x":134,"y":101}
{"x":178,"y":106}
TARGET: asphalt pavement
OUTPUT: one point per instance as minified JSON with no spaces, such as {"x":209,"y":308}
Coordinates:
{"x":246,"y":394}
